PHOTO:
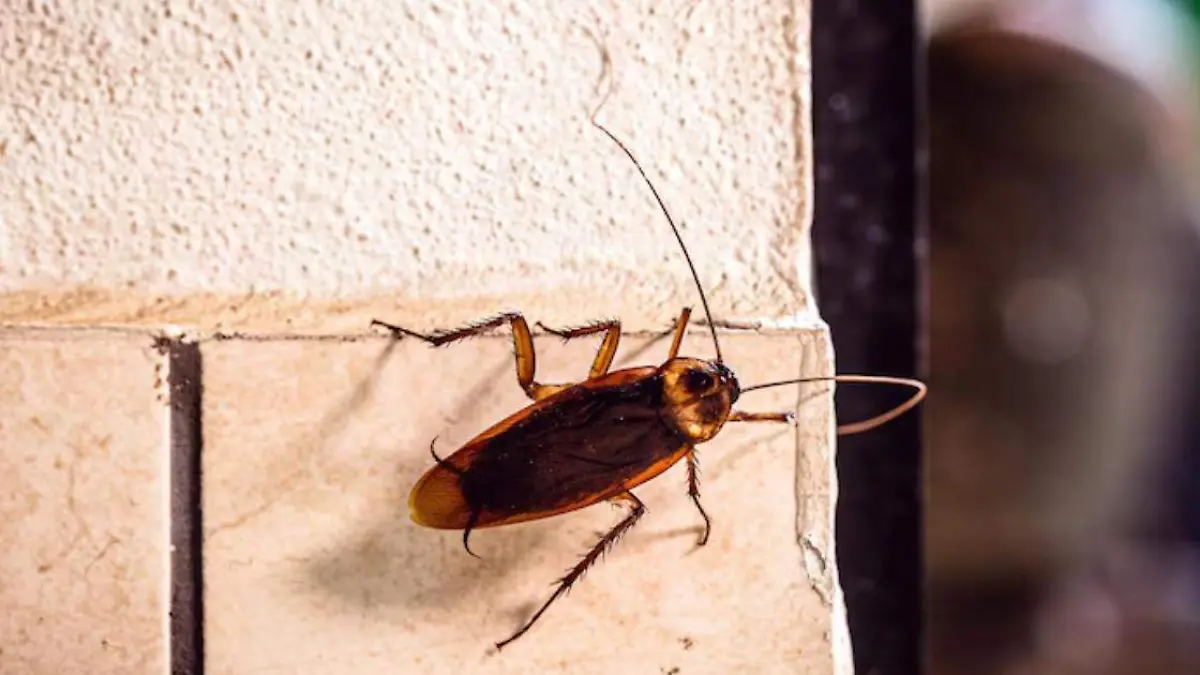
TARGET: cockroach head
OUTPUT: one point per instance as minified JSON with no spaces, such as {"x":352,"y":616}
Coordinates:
{"x":697,"y":396}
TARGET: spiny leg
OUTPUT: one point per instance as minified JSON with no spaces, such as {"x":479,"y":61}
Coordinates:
{"x":694,"y":492}
{"x":444,"y":337}
{"x":608,"y":348}
{"x":742,"y":416}
{"x":606,"y":542}
{"x":522,"y":344}
{"x":694,"y":466}
{"x":680,"y":329}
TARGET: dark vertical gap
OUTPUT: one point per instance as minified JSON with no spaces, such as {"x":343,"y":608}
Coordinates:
{"x":187,"y":584}
{"x":865,"y":239}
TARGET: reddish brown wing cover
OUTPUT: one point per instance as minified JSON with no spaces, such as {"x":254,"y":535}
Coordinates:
{"x":581,"y":446}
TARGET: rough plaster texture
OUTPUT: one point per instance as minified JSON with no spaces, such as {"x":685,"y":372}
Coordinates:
{"x":82,"y":528}
{"x":307,"y":164}
{"x":312,"y":559}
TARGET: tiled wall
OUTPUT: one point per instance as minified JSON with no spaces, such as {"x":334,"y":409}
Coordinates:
{"x":82,"y":509}
{"x":205,"y":452}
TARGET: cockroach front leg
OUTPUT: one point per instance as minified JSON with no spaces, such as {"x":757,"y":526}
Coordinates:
{"x":637,"y":510}
{"x":608,"y":348}
{"x":522,"y":346}
{"x":680,"y":328}
{"x":782,"y":417}
{"x":693,"y":464}
{"x":694,"y":492}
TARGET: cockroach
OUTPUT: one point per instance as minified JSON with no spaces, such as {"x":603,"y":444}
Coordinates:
{"x":581,"y":444}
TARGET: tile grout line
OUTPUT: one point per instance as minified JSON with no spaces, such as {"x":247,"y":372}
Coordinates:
{"x":186,"y":615}
{"x":168,"y":335}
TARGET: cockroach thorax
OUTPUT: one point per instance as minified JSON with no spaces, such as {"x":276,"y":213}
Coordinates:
{"x":697,"y":396}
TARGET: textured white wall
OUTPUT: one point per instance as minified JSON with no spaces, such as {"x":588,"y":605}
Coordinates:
{"x":313,"y":163}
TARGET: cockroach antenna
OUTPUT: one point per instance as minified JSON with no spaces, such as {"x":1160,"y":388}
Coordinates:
{"x":866,"y":425}
{"x":687,"y":256}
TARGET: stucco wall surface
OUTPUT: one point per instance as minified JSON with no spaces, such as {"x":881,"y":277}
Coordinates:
{"x":304,"y":164}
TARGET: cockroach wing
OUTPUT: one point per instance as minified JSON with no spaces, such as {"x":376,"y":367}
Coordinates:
{"x":578,"y":447}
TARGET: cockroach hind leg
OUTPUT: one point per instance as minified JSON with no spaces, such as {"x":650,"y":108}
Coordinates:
{"x":399,"y":331}
{"x":445,"y":337}
{"x":606,"y":542}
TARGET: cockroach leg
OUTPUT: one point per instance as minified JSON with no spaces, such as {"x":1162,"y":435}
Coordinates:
{"x":471,"y":520}
{"x":694,"y":492}
{"x":742,"y":416}
{"x":680,"y":328}
{"x":606,"y":542}
{"x":522,"y":344}
{"x":445,"y":337}
{"x":608,"y":348}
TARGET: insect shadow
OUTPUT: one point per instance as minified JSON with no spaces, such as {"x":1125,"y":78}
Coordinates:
{"x":375,"y":565}
{"x":295,"y":469}
{"x":379,"y":566}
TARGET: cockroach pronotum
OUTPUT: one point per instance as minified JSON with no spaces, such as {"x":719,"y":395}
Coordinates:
{"x":581,"y":444}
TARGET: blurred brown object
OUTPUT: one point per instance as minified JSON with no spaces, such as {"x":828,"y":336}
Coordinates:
{"x":1063,"y":279}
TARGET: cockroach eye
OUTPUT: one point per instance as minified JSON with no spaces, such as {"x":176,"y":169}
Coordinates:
{"x":697,"y":381}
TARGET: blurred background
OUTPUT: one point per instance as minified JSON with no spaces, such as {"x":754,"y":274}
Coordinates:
{"x":1062,"y":513}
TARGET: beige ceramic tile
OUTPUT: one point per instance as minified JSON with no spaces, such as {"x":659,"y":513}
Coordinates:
{"x":314,"y":566}
{"x":82,"y":530}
